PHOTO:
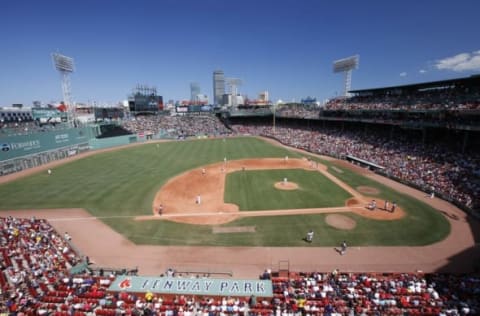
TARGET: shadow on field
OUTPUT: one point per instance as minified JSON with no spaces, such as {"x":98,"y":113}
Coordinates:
{"x":468,"y":260}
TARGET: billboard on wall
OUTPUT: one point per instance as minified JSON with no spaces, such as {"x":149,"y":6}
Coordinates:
{"x":193,"y":108}
{"x":23,"y":145}
{"x":108,"y":113}
{"x":181,"y":109}
{"x":188,"y":286}
{"x":48,"y":115}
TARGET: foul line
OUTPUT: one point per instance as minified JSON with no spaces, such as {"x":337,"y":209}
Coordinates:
{"x":60,"y":219}
{"x":259,"y":213}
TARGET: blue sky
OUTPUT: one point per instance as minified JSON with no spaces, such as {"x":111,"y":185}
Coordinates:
{"x":285,"y":47}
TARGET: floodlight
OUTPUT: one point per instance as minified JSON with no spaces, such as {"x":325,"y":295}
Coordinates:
{"x":63,"y":63}
{"x":346,"y":65}
{"x":65,"y":66}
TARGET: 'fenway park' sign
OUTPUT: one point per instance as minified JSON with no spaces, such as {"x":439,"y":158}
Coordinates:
{"x":193,"y":286}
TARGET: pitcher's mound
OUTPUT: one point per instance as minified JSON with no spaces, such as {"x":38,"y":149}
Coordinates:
{"x":340,"y":221}
{"x":286,"y":185}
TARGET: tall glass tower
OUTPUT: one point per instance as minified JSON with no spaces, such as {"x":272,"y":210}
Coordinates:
{"x":218,"y":87}
{"x":194,"y":91}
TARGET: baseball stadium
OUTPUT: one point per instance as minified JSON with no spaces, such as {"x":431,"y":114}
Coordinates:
{"x":344,"y":209}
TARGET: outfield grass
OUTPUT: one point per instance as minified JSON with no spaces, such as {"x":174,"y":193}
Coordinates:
{"x":254,"y":190}
{"x":124,"y":183}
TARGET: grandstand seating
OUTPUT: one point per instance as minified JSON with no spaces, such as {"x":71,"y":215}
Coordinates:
{"x":35,"y":280}
{"x":177,"y":126}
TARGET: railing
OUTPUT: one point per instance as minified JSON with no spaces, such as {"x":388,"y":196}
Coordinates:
{"x":202,"y":272}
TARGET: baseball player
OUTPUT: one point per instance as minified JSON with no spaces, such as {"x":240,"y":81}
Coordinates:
{"x":310,"y":236}
{"x":198,"y":200}
{"x":394,"y":206}
{"x":343,"y":247}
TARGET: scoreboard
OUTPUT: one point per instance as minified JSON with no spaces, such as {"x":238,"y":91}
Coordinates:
{"x":145,"y":103}
{"x":108,"y":113}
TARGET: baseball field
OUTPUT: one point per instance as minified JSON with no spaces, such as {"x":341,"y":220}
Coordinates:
{"x":251,"y":196}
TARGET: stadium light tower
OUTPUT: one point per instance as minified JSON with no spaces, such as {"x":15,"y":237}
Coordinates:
{"x":65,"y":66}
{"x":234,"y":83}
{"x":346,"y":65}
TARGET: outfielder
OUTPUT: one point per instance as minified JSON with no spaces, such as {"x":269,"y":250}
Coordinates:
{"x":310,"y":236}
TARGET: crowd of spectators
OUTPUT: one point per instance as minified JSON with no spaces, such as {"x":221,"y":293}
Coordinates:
{"x":388,"y":110}
{"x":177,"y":126}
{"x":298,"y":111}
{"x":35,"y":277}
{"x":35,"y":280}
{"x":376,"y":294}
{"x":26,"y":128}
{"x":448,"y":172}
{"x":34,"y":260}
{"x":449,"y":99}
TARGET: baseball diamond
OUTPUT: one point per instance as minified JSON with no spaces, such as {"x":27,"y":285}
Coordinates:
{"x":109,"y":193}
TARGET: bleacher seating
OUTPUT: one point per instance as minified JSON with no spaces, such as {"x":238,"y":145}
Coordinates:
{"x":177,"y":126}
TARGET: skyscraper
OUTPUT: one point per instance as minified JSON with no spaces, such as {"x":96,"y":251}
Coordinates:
{"x":218,"y":87}
{"x":194,"y":91}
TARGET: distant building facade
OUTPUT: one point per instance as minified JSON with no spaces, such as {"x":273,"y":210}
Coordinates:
{"x":218,"y":87}
{"x":227,"y":99}
{"x":194,"y":91}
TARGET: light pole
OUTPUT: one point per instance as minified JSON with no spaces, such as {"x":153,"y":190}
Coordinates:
{"x":274,"y":113}
{"x":65,"y":66}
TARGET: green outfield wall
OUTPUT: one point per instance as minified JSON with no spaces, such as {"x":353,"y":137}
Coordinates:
{"x":20,"y":152}
{"x":100,"y":143}
{"x":24,"y":145}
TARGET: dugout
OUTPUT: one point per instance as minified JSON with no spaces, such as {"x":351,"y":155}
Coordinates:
{"x":364,"y":163}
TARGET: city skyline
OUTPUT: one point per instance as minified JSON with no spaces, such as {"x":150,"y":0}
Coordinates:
{"x":284,"y":47}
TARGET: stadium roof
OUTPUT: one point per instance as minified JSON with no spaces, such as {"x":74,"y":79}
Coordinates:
{"x":465,"y":81}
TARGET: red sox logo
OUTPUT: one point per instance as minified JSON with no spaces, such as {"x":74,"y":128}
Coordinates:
{"x":125,"y":284}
